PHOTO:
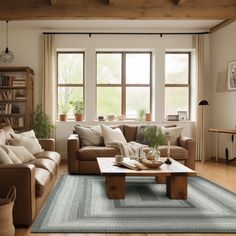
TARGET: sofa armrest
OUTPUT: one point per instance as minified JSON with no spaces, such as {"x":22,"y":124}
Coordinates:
{"x":22,"y":176}
{"x":73,"y":145}
{"x":190,"y":145}
{"x":48,"y":144}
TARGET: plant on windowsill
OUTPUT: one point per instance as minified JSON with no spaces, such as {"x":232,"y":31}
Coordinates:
{"x":63,"y":110}
{"x":154,"y":137}
{"x":41,"y":123}
{"x":78,"y":107}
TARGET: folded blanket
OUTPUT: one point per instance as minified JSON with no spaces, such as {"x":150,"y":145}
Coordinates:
{"x":128,"y":149}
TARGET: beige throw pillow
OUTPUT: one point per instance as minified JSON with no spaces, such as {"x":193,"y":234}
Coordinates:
{"x":174,"y":133}
{"x":28,"y":140}
{"x":12,"y":155}
{"x":22,"y":153}
{"x":112,"y":135}
{"x":4,"y":158}
{"x":90,"y":136}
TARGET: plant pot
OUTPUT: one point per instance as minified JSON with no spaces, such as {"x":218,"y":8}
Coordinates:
{"x":79,"y":117}
{"x":62,"y":117}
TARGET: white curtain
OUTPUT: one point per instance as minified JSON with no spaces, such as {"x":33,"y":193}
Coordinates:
{"x":199,"y":45}
{"x":49,"y":78}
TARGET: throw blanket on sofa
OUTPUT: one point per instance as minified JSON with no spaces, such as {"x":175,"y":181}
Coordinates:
{"x":128,"y":149}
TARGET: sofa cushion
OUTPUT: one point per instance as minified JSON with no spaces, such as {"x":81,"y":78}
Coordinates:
{"x":3,"y":137}
{"x":4,"y":158}
{"x":90,"y":153}
{"x":54,"y":156}
{"x":174,"y":133}
{"x":42,"y":180}
{"x":130,"y":132}
{"x":22,"y":153}
{"x":46,"y":164}
{"x":112,"y":135}
{"x":28,"y":140}
{"x":90,"y":135}
{"x":176,"y":152}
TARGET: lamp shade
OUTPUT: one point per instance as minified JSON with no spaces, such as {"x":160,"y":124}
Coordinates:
{"x":203,"y":103}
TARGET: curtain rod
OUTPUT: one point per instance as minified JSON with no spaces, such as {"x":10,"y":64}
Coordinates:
{"x":124,"y":33}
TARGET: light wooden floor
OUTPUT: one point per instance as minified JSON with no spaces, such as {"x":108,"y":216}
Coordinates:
{"x":217,"y":172}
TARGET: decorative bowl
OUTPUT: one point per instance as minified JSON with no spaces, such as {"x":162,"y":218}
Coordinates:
{"x":152,"y":163}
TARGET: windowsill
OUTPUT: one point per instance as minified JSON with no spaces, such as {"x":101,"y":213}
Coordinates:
{"x":124,"y":121}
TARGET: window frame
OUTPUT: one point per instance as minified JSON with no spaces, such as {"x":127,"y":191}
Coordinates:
{"x":79,"y":85}
{"x":123,"y":85}
{"x":187,"y":85}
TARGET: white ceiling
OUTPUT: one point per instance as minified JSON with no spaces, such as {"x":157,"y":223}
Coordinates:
{"x":118,"y":25}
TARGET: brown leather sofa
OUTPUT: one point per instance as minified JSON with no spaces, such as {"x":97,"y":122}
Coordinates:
{"x":33,"y":181}
{"x":82,"y":160}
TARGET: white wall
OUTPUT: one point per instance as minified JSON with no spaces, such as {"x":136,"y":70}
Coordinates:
{"x":27,"y":46}
{"x":223,"y":101}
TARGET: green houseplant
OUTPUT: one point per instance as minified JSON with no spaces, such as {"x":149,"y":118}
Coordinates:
{"x":78,"y":107}
{"x":154,"y":137}
{"x":41,"y":123}
{"x":63,"y":110}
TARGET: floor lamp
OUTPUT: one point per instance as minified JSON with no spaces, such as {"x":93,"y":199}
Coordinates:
{"x":202,"y":103}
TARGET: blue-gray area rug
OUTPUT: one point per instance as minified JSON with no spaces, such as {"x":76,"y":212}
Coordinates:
{"x":78,"y":204}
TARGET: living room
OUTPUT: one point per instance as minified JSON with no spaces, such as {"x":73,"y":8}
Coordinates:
{"x":156,"y":35}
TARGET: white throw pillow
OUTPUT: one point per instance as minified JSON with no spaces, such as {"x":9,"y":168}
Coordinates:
{"x":174,"y":133}
{"x":4,"y":158}
{"x":112,"y":135}
{"x":12,"y":156}
{"x":28,"y":140}
{"x":22,"y":153}
{"x":90,"y":136}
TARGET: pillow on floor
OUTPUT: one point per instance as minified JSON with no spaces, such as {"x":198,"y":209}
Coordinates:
{"x":90,"y":136}
{"x":28,"y":140}
{"x":22,"y":153}
{"x":174,"y":133}
{"x":4,"y":158}
{"x":112,"y":135}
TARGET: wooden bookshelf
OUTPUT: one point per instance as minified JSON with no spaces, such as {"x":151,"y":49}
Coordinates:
{"x":16,"y":97}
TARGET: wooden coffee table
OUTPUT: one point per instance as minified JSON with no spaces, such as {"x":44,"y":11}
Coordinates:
{"x":176,"y":177}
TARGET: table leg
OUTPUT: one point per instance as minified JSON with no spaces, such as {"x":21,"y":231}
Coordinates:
{"x":115,"y":186}
{"x":177,"y":186}
{"x":160,"y":179}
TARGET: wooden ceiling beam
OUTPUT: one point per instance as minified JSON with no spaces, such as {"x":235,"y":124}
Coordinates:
{"x":53,"y":2}
{"x":221,"y":25}
{"x":121,"y":9}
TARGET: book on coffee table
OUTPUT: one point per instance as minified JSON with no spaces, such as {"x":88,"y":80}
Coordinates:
{"x":131,"y":164}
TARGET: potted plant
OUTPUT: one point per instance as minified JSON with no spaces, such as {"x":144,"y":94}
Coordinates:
{"x":78,"y":107}
{"x":154,"y":138}
{"x":41,"y":123}
{"x":63,"y":109}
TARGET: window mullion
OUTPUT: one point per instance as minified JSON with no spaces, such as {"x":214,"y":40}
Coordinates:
{"x":123,"y":84}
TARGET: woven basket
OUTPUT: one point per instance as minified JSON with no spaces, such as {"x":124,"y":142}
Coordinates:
{"x":6,"y":206}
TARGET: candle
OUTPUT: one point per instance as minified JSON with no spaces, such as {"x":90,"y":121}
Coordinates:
{"x":168,"y":151}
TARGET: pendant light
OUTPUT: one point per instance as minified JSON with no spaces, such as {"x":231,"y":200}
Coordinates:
{"x":7,"y":56}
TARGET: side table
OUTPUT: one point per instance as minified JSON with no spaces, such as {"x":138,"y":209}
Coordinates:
{"x":224,"y":131}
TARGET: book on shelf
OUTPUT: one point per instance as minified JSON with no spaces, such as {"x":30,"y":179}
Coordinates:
{"x":12,"y":81}
{"x":131,"y":164}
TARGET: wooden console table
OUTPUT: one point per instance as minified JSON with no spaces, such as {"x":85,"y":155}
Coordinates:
{"x":223,"y":131}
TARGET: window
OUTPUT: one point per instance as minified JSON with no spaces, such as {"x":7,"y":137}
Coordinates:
{"x":123,"y":83}
{"x":70,"y":80}
{"x":177,"y":83}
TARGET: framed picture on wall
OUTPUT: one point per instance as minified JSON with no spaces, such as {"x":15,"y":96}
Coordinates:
{"x":182,"y":115}
{"x":232,"y":76}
